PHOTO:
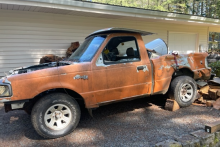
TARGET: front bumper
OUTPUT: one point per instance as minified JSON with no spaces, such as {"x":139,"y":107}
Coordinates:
{"x":3,"y":100}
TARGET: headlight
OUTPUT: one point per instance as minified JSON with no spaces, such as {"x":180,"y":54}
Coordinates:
{"x":4,"y":90}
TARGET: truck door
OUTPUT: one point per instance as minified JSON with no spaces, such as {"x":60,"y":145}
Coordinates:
{"x":122,"y":69}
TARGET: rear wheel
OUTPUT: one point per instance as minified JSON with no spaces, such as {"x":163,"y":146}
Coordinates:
{"x":55,"y":115}
{"x":183,"y":89}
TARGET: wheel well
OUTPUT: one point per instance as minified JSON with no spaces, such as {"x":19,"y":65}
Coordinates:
{"x":28,"y":105}
{"x":183,"y":72}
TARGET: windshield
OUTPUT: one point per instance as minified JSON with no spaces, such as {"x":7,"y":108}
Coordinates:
{"x":87,"y":50}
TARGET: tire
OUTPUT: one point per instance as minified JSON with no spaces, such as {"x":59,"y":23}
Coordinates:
{"x":183,"y":89}
{"x":55,"y":115}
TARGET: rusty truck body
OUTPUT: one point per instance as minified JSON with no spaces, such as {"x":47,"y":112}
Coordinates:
{"x":111,"y":65}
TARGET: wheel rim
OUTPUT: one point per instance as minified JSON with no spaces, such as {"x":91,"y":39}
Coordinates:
{"x":57,"y":117}
{"x":186,"y":92}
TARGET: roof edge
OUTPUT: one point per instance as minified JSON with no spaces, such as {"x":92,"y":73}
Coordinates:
{"x":92,"y":7}
{"x":119,"y":30}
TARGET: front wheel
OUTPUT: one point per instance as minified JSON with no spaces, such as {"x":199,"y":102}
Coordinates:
{"x":55,"y":115}
{"x":183,"y":89}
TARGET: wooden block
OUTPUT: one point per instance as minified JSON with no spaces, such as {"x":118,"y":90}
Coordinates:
{"x":171,"y":105}
{"x":213,"y":93}
{"x":218,"y":92}
{"x":206,"y":96}
{"x":204,"y":89}
{"x":200,"y":99}
{"x":214,"y":87}
{"x":198,"y":95}
{"x":216,"y":104}
{"x":212,"y":127}
{"x":209,"y":103}
{"x":204,"y":101}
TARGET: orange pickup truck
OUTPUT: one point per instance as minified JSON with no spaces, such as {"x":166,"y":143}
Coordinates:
{"x":111,"y":65}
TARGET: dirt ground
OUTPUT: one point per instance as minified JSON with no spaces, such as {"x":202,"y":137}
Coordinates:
{"x":131,"y":123}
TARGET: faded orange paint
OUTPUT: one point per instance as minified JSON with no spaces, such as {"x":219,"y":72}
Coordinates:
{"x":113,"y":82}
{"x":165,"y":66}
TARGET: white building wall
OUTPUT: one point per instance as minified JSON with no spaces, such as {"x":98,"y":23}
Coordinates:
{"x":214,"y":29}
{"x":27,"y":36}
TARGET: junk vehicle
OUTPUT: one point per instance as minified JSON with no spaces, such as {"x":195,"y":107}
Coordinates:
{"x":111,"y":65}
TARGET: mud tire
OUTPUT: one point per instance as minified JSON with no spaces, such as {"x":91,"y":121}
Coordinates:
{"x":44,"y":104}
{"x":176,"y":87}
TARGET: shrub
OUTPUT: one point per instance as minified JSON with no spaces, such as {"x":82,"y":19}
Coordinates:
{"x":215,"y":68}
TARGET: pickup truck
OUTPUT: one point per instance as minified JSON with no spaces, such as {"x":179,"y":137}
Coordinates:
{"x":111,"y":65}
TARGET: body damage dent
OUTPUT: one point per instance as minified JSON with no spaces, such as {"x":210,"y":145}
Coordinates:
{"x":187,"y":64}
{"x":197,"y":67}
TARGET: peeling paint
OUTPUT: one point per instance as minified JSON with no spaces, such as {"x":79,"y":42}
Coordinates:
{"x":161,"y":67}
{"x":145,"y":68}
{"x":167,"y":67}
{"x":183,"y":60}
{"x":100,"y":62}
{"x":191,"y":59}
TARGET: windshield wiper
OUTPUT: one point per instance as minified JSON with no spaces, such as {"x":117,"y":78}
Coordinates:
{"x":74,"y":60}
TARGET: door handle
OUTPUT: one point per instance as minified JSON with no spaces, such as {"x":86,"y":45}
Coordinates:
{"x":140,"y":68}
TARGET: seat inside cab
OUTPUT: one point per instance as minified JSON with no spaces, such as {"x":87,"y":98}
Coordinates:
{"x":121,"y":49}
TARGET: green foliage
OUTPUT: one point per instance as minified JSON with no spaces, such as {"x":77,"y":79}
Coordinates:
{"x":216,"y":140}
{"x":215,"y":68}
{"x":206,"y":8}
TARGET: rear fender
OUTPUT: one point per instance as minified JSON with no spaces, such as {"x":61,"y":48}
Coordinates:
{"x":193,"y":65}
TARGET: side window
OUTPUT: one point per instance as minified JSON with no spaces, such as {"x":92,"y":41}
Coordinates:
{"x":120,"y":50}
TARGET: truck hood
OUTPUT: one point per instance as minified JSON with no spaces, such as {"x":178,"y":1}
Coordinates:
{"x":46,"y":70}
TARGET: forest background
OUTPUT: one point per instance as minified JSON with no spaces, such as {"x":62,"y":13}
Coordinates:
{"x":205,"y":8}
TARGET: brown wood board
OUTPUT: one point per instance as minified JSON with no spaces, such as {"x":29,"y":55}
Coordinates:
{"x":212,"y":127}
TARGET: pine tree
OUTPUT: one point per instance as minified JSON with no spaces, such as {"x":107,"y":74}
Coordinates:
{"x":206,"y":8}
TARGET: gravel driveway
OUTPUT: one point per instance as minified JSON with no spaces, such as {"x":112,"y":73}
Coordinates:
{"x":131,"y":123}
